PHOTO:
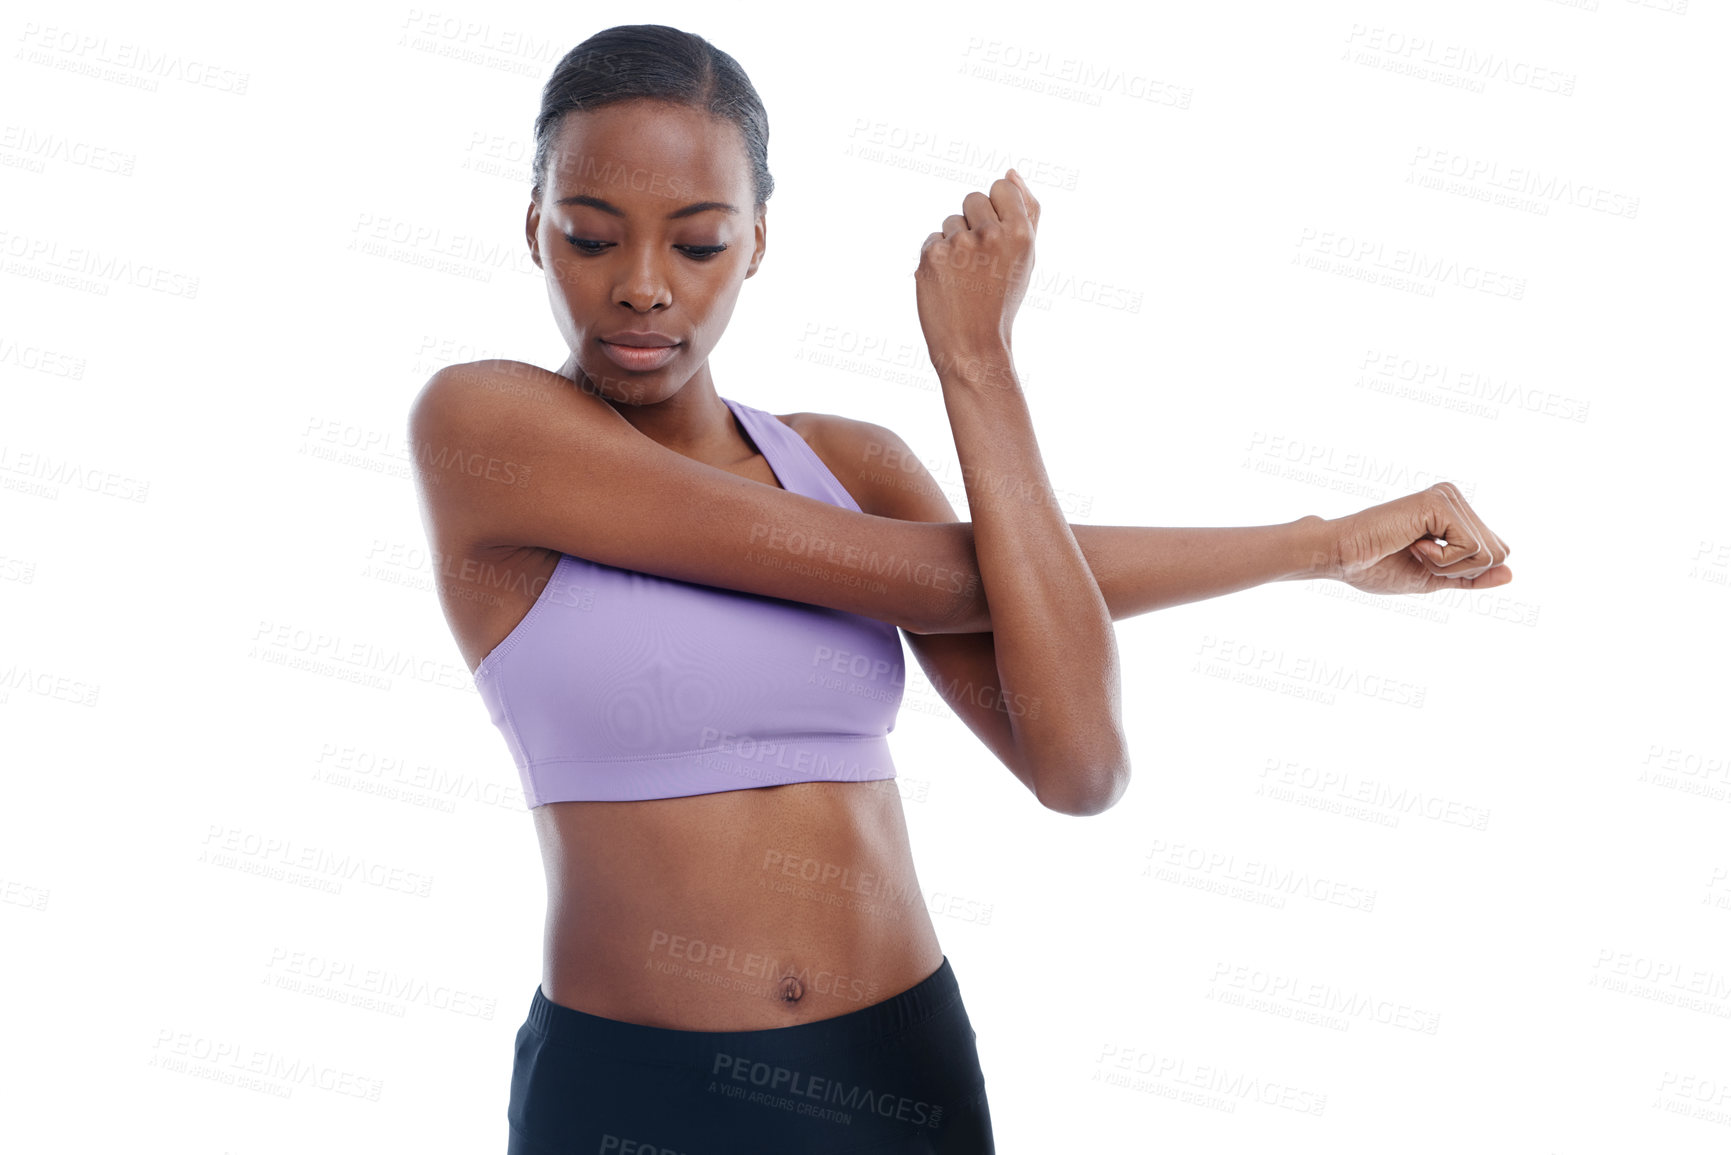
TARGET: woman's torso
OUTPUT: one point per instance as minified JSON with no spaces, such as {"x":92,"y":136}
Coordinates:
{"x":737,"y":910}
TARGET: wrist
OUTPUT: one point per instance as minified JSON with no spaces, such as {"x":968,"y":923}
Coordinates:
{"x":1315,"y":549}
{"x":985,"y":364}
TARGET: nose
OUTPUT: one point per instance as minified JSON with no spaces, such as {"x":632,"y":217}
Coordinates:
{"x":642,"y":283}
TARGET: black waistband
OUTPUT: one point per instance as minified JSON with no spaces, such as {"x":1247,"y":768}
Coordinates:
{"x":930,"y":996}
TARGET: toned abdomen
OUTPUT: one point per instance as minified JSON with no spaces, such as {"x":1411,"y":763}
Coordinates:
{"x":739,"y":910}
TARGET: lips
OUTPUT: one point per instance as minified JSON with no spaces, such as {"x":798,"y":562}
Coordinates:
{"x":643,"y":358}
{"x":641,"y":339}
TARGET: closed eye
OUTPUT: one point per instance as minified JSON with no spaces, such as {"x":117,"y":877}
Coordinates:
{"x":695,"y":252}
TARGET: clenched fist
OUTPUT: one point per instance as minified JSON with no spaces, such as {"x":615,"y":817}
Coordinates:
{"x":973,"y":275}
{"x":1393,"y":548}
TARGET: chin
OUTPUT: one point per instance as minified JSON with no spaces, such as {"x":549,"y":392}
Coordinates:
{"x":605,"y":383}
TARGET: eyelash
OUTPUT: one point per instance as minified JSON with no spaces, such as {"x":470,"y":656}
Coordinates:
{"x":695,"y":252}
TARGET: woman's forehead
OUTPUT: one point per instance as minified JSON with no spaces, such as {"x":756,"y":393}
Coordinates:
{"x":648,"y":147}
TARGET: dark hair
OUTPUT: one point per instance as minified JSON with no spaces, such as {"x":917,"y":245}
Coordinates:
{"x":653,"y":62}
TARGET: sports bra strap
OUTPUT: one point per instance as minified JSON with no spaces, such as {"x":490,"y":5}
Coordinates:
{"x":795,"y":464}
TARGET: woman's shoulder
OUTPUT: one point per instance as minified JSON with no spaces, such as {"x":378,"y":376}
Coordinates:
{"x":494,"y":377}
{"x":885,"y":477}
{"x":516,"y":400}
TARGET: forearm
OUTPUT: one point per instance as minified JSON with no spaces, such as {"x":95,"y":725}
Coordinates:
{"x":1051,"y":626}
{"x":1142,"y":568}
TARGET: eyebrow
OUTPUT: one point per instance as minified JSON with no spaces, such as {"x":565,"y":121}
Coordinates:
{"x":676,"y":214}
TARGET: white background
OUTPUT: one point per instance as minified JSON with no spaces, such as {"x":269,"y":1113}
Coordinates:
{"x":1521,"y":938}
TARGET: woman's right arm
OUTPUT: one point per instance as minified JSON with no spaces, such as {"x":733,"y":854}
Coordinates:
{"x":510,"y":454}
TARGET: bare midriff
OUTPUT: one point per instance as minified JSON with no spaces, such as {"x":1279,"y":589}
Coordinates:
{"x":741,"y":910}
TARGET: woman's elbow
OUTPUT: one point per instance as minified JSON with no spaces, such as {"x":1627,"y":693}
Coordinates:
{"x":1081,"y":792}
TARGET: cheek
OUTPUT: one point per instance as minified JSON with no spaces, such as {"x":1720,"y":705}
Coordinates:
{"x":565,"y":268}
{"x":579,"y":289}
{"x":718,"y":308}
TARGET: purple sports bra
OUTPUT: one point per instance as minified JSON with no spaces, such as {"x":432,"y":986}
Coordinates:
{"x":619,"y":685}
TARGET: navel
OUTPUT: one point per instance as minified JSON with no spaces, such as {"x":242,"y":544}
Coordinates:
{"x":792,"y":990}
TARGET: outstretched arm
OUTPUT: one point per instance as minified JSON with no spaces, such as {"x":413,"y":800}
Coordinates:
{"x":1142,"y":568}
{"x":1137,"y":568}
{"x":1395,"y":547}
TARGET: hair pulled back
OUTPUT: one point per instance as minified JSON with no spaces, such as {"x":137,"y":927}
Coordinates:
{"x":653,"y":62}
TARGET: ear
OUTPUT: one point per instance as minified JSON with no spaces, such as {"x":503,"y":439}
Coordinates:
{"x":761,"y":240}
{"x":532,"y":229}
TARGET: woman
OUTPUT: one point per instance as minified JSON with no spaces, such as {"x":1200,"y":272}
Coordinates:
{"x":682,"y":613}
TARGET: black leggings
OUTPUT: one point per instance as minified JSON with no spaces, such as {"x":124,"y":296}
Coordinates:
{"x":897,"y":1076}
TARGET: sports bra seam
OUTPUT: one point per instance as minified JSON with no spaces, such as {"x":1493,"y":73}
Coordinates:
{"x":528,"y":767}
{"x":707,"y":749}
